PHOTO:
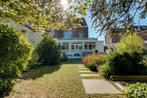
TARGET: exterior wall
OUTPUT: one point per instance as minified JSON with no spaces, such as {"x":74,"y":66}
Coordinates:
{"x":75,"y":32}
{"x":100,"y":46}
{"x":33,"y":37}
{"x":115,"y":38}
{"x":78,"y":48}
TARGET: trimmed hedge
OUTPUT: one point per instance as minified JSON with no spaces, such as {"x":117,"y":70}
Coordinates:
{"x":15,"y":51}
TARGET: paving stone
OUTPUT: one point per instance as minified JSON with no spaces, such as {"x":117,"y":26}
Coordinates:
{"x":85,"y":71}
{"x":81,"y":66}
{"x":119,"y":85}
{"x":84,"y":68}
{"x":89,"y":75}
{"x":99,"y":86}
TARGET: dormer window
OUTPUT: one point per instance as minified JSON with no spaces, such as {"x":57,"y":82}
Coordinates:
{"x":67,"y":35}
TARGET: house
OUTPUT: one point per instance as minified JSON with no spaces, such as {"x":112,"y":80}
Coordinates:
{"x":111,"y":40}
{"x":75,"y":43}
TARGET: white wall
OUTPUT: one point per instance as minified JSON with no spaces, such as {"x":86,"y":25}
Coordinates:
{"x":100,"y":46}
{"x":33,"y":37}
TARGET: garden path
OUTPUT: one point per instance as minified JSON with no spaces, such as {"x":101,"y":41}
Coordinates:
{"x":96,"y":85}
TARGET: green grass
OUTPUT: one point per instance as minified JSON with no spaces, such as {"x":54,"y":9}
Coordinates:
{"x":61,"y":81}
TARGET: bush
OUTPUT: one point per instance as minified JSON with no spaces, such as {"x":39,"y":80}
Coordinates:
{"x":130,"y":43}
{"x":128,"y":57}
{"x":94,"y":61}
{"x":137,"y":90}
{"x":34,"y":60}
{"x":105,"y":71}
{"x":126,"y":63}
{"x":48,"y":51}
{"x":15,"y":52}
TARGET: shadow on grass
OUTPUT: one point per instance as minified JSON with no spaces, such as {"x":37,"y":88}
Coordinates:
{"x":39,"y":71}
{"x":73,"y":61}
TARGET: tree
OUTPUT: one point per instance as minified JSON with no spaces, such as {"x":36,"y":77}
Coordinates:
{"x":43,"y":14}
{"x":108,"y":14}
{"x":48,"y":51}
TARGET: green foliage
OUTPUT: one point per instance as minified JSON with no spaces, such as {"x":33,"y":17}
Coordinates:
{"x":15,"y":52}
{"x":42,"y":14}
{"x":94,"y":61}
{"x":6,"y":86}
{"x":34,"y":60}
{"x":137,"y":90}
{"x":108,"y":14}
{"x":126,"y":63}
{"x":48,"y":51}
{"x":128,"y":57}
{"x":105,"y":71}
{"x":130,"y":43}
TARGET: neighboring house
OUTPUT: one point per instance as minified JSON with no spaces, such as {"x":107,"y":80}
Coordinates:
{"x":76,"y":43}
{"x":32,"y":36}
{"x":111,"y":40}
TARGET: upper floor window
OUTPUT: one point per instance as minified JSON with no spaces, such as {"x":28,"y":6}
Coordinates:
{"x":67,"y":35}
{"x":81,"y":35}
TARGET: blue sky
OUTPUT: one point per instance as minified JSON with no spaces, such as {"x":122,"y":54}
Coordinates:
{"x":92,"y":31}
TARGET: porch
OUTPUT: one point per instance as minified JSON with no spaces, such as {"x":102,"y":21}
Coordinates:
{"x":78,"y":48}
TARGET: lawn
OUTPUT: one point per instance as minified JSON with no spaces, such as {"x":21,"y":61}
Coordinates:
{"x":61,"y":81}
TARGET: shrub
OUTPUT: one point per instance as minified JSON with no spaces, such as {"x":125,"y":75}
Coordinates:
{"x":94,"y":61}
{"x":34,"y":60}
{"x":137,"y":90}
{"x":48,"y":51}
{"x":130,"y":43}
{"x":128,"y":57}
{"x":15,"y":52}
{"x":126,"y":63}
{"x":105,"y":71}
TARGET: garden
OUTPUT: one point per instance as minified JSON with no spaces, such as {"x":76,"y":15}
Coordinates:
{"x":129,"y":59}
{"x":28,"y":71}
{"x":17,"y":56}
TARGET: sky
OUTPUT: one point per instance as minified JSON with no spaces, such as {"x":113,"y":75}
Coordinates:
{"x":92,"y":31}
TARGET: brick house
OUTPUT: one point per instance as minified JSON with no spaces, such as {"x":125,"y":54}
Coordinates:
{"x":76,"y":42}
{"x":111,"y":40}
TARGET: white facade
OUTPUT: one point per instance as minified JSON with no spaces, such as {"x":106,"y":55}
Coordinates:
{"x":75,"y":48}
{"x":33,"y":37}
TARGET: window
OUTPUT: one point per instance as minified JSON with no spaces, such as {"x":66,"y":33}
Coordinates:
{"x":65,"y":46}
{"x":90,"y":47}
{"x":81,"y":35}
{"x":67,"y":35}
{"x":72,"y":47}
{"x":85,"y":46}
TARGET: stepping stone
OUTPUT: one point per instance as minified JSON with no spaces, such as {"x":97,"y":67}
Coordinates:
{"x":81,"y":66}
{"x":119,"y":85}
{"x":89,"y":75}
{"x":85,"y":71}
{"x":84,"y":68}
{"x":99,"y":86}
